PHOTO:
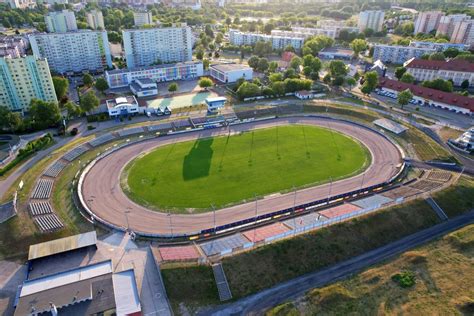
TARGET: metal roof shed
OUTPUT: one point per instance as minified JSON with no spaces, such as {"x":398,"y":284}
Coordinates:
{"x":61,"y":245}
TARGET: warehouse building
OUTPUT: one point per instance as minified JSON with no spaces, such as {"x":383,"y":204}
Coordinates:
{"x":228,"y":73}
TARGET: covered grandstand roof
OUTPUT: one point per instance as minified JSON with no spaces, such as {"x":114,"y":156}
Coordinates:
{"x":61,"y":245}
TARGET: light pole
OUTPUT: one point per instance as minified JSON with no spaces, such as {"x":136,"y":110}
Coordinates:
{"x":126,"y":218}
{"x":256,"y":214}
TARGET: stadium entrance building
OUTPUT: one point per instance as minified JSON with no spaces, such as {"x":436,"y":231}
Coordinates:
{"x":122,"y":106}
{"x":216,"y":103}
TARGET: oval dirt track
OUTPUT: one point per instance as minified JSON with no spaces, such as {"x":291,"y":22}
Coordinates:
{"x":104,"y":197}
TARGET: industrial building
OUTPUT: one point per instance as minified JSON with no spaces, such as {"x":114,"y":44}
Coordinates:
{"x":228,"y":73}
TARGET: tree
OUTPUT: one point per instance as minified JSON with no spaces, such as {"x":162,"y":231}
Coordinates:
{"x":399,"y":71}
{"x":101,"y":84}
{"x":61,"y":85}
{"x":72,"y":109}
{"x":296,"y":62}
{"x":351,"y":82}
{"x":290,"y":73}
{"x":268,"y":28}
{"x":437,"y":56}
{"x":272,"y":66}
{"x":205,"y":63}
{"x":439,"y":84}
{"x":465,"y":84}
{"x":293,"y":85}
{"x":88,"y":80}
{"x":9,"y":120}
{"x":262,"y":48}
{"x":275,"y":77}
{"x":253,"y":62}
{"x":315,"y":44}
{"x":88,"y":102}
{"x":371,"y":80}
{"x":199,"y":53}
{"x":173,"y":87}
{"x":337,"y":68}
{"x":248,"y":89}
{"x":262,"y":64}
{"x":358,"y":45}
{"x":219,"y":38}
{"x":278,"y":87}
{"x":205,"y":83}
{"x":338,"y":81}
{"x":451,"y":52}
{"x":43,"y":114}
{"x":327,"y":78}
{"x":404,"y":97}
{"x":407,"y":78}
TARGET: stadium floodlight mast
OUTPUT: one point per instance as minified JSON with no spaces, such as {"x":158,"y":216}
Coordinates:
{"x":256,"y":214}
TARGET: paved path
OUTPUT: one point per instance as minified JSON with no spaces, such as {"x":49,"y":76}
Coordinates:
{"x":113,"y":206}
{"x":256,"y":304}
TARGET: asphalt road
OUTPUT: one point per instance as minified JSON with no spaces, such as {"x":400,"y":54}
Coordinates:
{"x":103,"y":195}
{"x":256,"y":304}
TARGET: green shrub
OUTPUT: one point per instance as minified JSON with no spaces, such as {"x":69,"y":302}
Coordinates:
{"x":405,"y":279}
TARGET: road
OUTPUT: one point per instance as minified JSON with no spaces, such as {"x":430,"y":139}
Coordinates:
{"x":256,"y":304}
{"x":103,"y":195}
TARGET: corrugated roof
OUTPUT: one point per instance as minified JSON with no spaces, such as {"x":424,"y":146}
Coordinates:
{"x":453,"y":99}
{"x":127,"y":300}
{"x":65,"y":278}
{"x":62,"y":245}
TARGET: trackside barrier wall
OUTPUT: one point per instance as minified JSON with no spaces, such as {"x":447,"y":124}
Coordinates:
{"x":253,"y":220}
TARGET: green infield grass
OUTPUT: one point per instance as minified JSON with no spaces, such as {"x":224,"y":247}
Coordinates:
{"x":215,"y":172}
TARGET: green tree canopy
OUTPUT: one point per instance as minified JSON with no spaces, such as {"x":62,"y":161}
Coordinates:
{"x":248,"y":89}
{"x":253,"y":62}
{"x":358,"y":45}
{"x":407,"y":78}
{"x":439,"y":84}
{"x":315,"y":44}
{"x":88,"y":102}
{"x":404,"y":97}
{"x":337,"y":68}
{"x":88,"y":80}
{"x":61,"y":85}
{"x":101,"y":84}
{"x":262,"y":64}
{"x":72,"y":109}
{"x":43,"y":114}
{"x":399,"y":72}
{"x":296,"y":62}
{"x":173,"y":87}
{"x":205,"y":83}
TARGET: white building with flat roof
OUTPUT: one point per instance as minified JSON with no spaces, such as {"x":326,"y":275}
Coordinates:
{"x":228,"y":73}
{"x":456,"y":70}
{"x":159,"y":73}
{"x":73,"y":52}
{"x":278,"y":42}
{"x":399,"y":54}
{"x":122,"y":106}
{"x":60,"y":21}
{"x":371,"y":19}
{"x":142,"y":18}
{"x":146,"y":47}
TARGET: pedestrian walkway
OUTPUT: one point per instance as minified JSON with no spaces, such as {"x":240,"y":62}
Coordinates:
{"x":438,"y":210}
{"x":221,"y":282}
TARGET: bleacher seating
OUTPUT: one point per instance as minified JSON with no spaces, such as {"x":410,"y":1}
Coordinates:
{"x":160,"y":127}
{"x":181,"y":124}
{"x":425,"y":185}
{"x":40,"y":208}
{"x":102,"y":140}
{"x":43,"y":189}
{"x":48,"y":223}
{"x":439,"y":175}
{"x":131,"y":131}
{"x":76,"y":152}
{"x":54,"y":170}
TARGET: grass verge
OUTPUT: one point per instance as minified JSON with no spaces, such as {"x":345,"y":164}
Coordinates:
{"x":437,"y":269}
{"x":458,"y":198}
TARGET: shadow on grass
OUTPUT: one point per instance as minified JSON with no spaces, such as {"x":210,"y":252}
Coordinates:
{"x":197,"y":162}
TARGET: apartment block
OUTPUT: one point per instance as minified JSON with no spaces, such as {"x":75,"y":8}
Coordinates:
{"x":439,"y":46}
{"x":427,"y":21}
{"x":159,"y":73}
{"x":146,"y":47}
{"x":278,"y":42}
{"x":95,"y":19}
{"x":448,"y":22}
{"x":463,"y":32}
{"x":23,"y":79}
{"x":455,"y":70}
{"x":73,"y":52}
{"x":142,"y":18}
{"x":399,"y":54}
{"x":22,"y":4}
{"x":372,"y":19}
{"x":13,"y":46}
{"x":61,"y":21}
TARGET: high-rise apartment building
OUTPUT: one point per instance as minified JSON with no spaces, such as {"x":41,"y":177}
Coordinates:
{"x":142,"y":18}
{"x":427,"y":21}
{"x":73,"y":52}
{"x":95,"y":19}
{"x":22,"y":4}
{"x":372,"y":19}
{"x":146,"y":47}
{"x":463,"y":32}
{"x":399,"y":54}
{"x":447,"y":23}
{"x":61,"y":21}
{"x":23,"y":79}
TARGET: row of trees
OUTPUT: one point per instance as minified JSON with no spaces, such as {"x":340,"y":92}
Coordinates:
{"x":247,"y":89}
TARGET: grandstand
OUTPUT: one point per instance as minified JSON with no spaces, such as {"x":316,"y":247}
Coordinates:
{"x":131,"y":131}
{"x":102,"y":140}
{"x":40,"y":208}
{"x":160,"y":127}
{"x":54,"y":170}
{"x":74,"y":153}
{"x":48,"y":223}
{"x":43,"y":189}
